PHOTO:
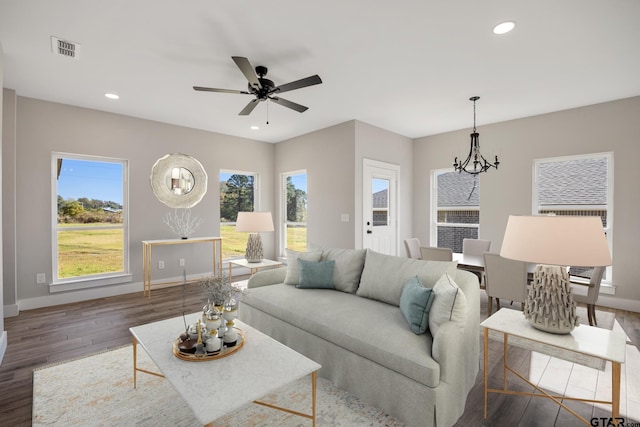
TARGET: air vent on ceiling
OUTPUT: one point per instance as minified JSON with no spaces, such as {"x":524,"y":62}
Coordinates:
{"x":65,"y":48}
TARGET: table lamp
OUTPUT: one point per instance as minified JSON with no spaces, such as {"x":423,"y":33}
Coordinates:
{"x":554,"y":243}
{"x":254,"y":223}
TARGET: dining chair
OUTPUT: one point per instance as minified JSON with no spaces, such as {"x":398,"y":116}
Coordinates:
{"x":504,"y":278}
{"x":476,"y":247}
{"x":436,"y":254}
{"x":591,"y":297}
{"x":412,"y":246}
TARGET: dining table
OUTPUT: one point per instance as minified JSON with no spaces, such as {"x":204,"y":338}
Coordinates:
{"x":475,"y":264}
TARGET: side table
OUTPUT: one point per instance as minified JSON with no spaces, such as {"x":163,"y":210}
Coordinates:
{"x":584,"y":340}
{"x":252,"y":266}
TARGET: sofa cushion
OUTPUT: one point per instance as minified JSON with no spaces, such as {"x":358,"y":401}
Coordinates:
{"x":348,"y":268}
{"x":315,"y":274}
{"x":371,"y":329}
{"x":384,"y":276}
{"x":449,"y":304}
{"x":415,"y":303}
{"x":293,"y":271}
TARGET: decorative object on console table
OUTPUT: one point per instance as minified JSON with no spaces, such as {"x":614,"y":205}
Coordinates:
{"x":254,"y":223}
{"x":556,"y":242}
{"x":182,"y":223}
{"x":475,"y":162}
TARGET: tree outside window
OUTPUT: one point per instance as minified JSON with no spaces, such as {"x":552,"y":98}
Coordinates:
{"x":237,"y":194}
{"x":295,"y":221}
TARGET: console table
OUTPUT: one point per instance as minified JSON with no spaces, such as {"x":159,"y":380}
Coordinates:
{"x":147,"y":246}
{"x":582,"y":341}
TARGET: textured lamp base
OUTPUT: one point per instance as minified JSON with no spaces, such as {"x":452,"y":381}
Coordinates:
{"x":254,"y":251}
{"x":550,"y":306}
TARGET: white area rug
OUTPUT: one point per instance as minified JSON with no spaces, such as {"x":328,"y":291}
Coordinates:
{"x":98,"y":391}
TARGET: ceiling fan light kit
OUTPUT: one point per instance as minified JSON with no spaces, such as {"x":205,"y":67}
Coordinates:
{"x":262,"y":88}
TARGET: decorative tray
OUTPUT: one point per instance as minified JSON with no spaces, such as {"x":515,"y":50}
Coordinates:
{"x":223,"y":352}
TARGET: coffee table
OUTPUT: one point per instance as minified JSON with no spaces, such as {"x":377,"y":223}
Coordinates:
{"x":215,"y":388}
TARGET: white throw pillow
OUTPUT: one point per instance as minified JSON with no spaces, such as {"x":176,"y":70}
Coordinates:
{"x":293,"y":271}
{"x":449,"y":304}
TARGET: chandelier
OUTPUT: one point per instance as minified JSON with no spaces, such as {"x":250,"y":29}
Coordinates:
{"x":475,"y":162}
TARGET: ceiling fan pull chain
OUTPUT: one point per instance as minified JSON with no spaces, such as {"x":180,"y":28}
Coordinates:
{"x":267,"y":111}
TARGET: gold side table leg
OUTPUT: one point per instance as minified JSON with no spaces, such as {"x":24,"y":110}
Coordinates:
{"x":313,"y":397}
{"x":486,"y":368}
{"x":135,"y":361}
{"x":615,"y":391}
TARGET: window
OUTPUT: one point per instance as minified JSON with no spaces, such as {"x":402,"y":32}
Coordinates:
{"x":237,"y":194}
{"x":576,"y":185}
{"x":455,"y":201}
{"x":294,"y":196}
{"x":90,"y":231}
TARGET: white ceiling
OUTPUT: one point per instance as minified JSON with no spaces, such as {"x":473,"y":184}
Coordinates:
{"x":408,"y":66}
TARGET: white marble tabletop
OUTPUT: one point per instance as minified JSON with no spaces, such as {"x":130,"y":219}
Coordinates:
{"x":588,"y":340}
{"x":217,"y":387}
{"x":242,"y":262}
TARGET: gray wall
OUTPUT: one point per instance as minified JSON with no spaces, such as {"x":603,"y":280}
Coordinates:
{"x":328,"y":155}
{"x":333,"y":158}
{"x":607,"y":127}
{"x":44,"y":127}
{"x":379,"y":144}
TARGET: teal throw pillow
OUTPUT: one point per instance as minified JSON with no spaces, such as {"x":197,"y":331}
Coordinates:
{"x":317,"y":275}
{"x":415,"y":303}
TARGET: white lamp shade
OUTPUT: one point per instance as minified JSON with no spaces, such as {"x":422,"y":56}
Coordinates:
{"x":556,"y":240}
{"x":254,"y":222}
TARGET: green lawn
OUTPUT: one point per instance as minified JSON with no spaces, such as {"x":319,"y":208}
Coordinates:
{"x":83,"y":252}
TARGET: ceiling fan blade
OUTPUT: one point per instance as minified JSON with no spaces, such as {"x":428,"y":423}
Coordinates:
{"x":249,"y":108}
{"x":285,"y":103}
{"x":212,"y":89}
{"x":309,"y":81}
{"x":248,"y":71}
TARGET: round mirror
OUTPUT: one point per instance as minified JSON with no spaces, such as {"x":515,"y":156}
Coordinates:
{"x":178,"y":180}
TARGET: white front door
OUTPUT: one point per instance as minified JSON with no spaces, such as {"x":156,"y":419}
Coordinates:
{"x":380,"y":207}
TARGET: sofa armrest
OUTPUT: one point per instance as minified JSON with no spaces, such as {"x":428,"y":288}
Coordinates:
{"x":456,"y":349}
{"x":267,"y":277}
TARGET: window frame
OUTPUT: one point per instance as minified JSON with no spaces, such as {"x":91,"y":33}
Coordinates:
{"x":284,"y":223}
{"x":433,"y":229}
{"x":608,"y":229}
{"x":91,"y":280}
{"x":256,"y":198}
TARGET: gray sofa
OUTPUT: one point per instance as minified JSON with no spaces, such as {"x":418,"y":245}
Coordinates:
{"x":363,"y":340}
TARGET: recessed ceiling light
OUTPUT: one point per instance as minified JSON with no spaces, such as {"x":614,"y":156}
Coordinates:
{"x":254,"y":127}
{"x":504,"y":27}
{"x":112,"y":95}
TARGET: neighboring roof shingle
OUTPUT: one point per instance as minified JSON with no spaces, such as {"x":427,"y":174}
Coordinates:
{"x":458,"y":189}
{"x":573,"y":182}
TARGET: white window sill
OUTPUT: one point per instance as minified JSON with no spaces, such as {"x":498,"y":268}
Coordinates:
{"x":84,"y":283}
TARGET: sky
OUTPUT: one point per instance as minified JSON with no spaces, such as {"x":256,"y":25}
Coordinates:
{"x":90,"y":179}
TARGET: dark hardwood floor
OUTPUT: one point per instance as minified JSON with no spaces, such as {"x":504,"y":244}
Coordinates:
{"x":54,"y":334}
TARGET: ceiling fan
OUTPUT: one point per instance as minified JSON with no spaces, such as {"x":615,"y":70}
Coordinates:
{"x":262,"y":88}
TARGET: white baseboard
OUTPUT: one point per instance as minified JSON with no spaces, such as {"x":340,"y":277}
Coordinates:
{"x":3,"y":345}
{"x":11,"y":310}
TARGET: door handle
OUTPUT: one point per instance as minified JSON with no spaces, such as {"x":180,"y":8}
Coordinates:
{"x":369,"y":232}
